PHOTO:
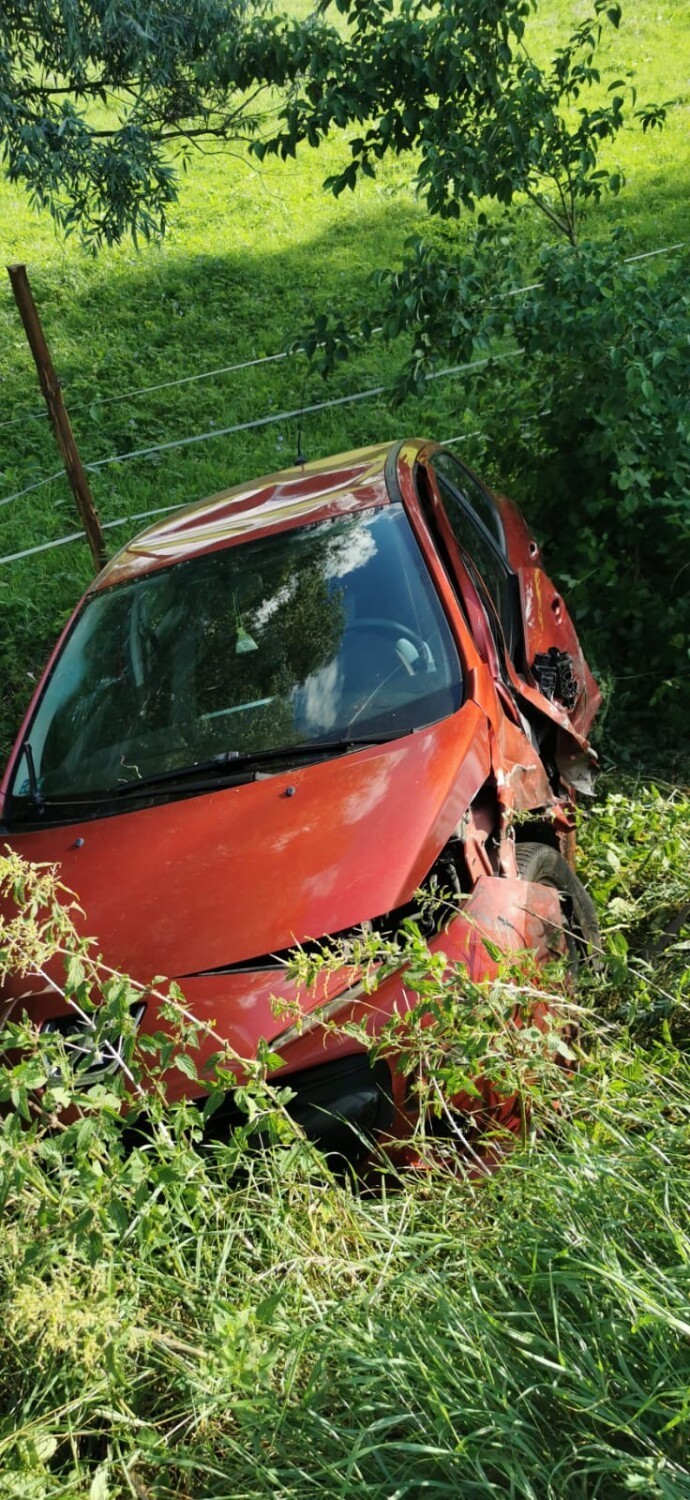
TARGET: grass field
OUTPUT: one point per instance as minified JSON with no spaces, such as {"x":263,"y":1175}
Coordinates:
{"x":251,"y":255}
{"x":184,"y":1325}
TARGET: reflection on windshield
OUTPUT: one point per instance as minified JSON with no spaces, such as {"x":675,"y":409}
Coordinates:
{"x":331,"y":629}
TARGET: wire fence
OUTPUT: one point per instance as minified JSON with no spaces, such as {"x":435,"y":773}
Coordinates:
{"x":161,"y":385}
{"x":145,"y":515}
{"x":256,"y":422}
{"x":136,"y":392}
{"x":292,"y":415}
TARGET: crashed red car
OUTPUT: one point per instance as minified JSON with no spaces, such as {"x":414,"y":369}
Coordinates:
{"x":278,"y":714}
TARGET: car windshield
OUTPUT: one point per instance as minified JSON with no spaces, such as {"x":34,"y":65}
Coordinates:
{"x":328,"y":631}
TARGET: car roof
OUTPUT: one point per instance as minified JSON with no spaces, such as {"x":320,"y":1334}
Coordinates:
{"x":313,"y":491}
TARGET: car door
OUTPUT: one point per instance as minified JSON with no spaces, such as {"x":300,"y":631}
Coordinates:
{"x":469,"y":533}
{"x":539,"y":635}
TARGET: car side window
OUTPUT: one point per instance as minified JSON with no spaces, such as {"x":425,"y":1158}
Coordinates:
{"x":477,"y":528}
{"x":473,"y":494}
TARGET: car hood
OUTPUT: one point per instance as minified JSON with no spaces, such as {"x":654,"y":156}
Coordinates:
{"x":217,"y":879}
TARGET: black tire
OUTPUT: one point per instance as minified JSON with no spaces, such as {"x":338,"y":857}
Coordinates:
{"x":545,"y":866}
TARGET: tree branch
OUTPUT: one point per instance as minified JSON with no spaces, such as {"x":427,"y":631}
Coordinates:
{"x":96,"y":86}
{"x":543,"y":206}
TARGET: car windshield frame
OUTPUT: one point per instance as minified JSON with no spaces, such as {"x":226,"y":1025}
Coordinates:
{"x":395,"y":671}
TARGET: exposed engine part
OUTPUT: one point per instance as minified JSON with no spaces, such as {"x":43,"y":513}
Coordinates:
{"x":479,"y":832}
{"x":435,"y":902}
{"x":553,"y":671}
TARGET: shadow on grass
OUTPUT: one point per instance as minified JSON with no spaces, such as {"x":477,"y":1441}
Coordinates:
{"x":133,"y":320}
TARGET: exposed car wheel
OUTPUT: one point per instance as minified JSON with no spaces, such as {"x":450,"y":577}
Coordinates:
{"x":545,"y":866}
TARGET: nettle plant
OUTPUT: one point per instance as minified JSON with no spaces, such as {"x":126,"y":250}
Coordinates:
{"x":476,"y":1054}
{"x":104,"y":1076}
{"x":102,"y":1087}
{"x":533,"y":1043}
{"x":173,"y":1325}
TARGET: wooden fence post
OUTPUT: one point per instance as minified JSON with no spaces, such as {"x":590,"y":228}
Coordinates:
{"x":57,"y":412}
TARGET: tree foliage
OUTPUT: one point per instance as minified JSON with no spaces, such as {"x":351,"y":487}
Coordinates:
{"x":457,"y":84}
{"x":584,"y":417}
{"x":97,"y":97}
{"x":592,"y":428}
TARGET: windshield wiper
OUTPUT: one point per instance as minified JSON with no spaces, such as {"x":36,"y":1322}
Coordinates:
{"x":249,"y":762}
{"x":230,"y":768}
{"x":302,"y":750}
{"x":35,"y":796}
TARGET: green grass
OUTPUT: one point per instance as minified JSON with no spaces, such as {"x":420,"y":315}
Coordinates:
{"x":182,"y":1325}
{"x":251,"y":255}
{"x":173,"y":1327}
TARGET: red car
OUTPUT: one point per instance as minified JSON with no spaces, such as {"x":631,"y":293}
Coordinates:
{"x":278,"y":714}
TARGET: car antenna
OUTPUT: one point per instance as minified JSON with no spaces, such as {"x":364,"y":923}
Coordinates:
{"x":300,"y":459}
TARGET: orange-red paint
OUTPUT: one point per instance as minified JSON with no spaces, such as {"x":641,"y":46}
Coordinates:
{"x":215,"y":879}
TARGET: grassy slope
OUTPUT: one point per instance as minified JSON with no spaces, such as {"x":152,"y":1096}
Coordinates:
{"x":273,"y":1335}
{"x":249,"y":258}
{"x":173,"y":1328}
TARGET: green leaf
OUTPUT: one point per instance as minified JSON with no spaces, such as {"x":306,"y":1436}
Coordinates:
{"x":185,"y":1064}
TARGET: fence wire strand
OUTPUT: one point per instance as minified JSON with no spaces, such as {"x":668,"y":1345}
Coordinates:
{"x":254,"y":423}
{"x":162,"y":510}
{"x":37,"y":485}
{"x":267,"y":359}
{"x":290,"y":416}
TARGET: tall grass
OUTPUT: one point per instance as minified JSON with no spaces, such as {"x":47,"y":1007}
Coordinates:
{"x":180,"y":1321}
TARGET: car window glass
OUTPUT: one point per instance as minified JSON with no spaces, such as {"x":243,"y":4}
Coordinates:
{"x":476,"y":498}
{"x":332,"y":629}
{"x":471,"y":514}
